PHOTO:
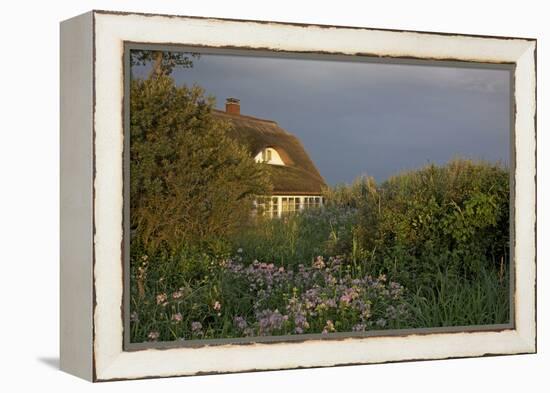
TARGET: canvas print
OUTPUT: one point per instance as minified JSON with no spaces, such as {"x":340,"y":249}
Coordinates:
{"x":289,"y":196}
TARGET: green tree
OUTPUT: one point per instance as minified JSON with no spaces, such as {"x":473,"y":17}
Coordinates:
{"x":190,"y":182}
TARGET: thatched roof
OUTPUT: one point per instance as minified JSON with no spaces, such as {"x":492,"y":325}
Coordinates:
{"x":299,"y":174}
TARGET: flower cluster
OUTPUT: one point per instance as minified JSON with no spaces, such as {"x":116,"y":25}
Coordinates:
{"x":322,"y":298}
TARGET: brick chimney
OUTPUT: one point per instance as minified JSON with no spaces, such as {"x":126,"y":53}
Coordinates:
{"x":233,"y":106}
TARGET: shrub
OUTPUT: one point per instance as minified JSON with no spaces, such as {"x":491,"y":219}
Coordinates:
{"x":455,"y":217}
{"x":190,"y":182}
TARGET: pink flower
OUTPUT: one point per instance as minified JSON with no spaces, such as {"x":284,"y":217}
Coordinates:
{"x":196,"y":327}
{"x":177,"y":317}
{"x":153,"y":336}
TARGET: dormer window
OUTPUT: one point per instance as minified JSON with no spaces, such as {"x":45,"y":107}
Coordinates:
{"x":266,"y":155}
{"x":269,"y":155}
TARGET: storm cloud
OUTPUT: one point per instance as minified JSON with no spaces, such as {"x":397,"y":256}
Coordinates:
{"x":361,"y":118}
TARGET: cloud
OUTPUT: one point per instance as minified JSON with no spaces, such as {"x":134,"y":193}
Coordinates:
{"x":360,"y":117}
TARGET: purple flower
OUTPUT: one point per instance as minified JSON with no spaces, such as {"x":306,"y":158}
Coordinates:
{"x":240,"y":323}
{"x":381,"y":322}
{"x":301,"y":323}
{"x":331,"y":303}
{"x":270,"y":320}
{"x":196,"y":327}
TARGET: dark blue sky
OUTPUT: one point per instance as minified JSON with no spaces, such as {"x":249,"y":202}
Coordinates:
{"x":359,"y":118}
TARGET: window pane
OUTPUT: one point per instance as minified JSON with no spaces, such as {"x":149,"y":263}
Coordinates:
{"x":284,"y":205}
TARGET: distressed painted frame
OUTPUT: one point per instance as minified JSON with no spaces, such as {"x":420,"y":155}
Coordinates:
{"x":92,"y":195}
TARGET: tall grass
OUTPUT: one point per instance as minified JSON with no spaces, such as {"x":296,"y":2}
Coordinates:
{"x":456,"y":301}
{"x":437,"y":237}
{"x":296,"y":238}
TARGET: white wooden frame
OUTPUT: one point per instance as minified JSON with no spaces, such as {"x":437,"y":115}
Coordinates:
{"x":92,"y":91}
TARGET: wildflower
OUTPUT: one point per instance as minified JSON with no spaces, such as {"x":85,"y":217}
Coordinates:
{"x":240,"y":323}
{"x":331,"y":303}
{"x":196,"y":327}
{"x":381,"y":322}
{"x":240,"y":250}
{"x":329,"y":327}
{"x":161,"y":299}
{"x":153,"y":335}
{"x":248,"y":332}
{"x":270,"y":321}
{"x":331,"y":280}
{"x":321,"y":307}
{"x":366,"y":312}
{"x":217,"y":306}
{"x":349,"y":295}
{"x":177,"y":294}
{"x":177,"y":317}
{"x":396,"y":290}
{"x":360,"y":327}
{"x":401,"y":311}
{"x":319,"y":263}
{"x":301,"y":323}
{"x":134,"y":317}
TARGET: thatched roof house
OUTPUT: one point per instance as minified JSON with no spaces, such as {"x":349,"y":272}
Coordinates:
{"x":297,"y":183}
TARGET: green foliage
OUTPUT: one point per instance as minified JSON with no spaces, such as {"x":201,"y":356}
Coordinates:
{"x":296,"y":238}
{"x":191,"y":184}
{"x":453,"y":217}
{"x":456,"y":301}
{"x":437,"y":237}
{"x":227,"y":299}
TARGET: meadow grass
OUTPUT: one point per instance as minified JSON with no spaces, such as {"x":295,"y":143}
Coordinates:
{"x":425,"y":249}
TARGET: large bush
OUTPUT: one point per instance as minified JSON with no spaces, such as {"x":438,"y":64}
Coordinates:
{"x":191,"y":184}
{"x":439,"y":218}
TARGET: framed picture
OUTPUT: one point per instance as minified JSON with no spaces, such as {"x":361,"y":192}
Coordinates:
{"x":247,"y":195}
